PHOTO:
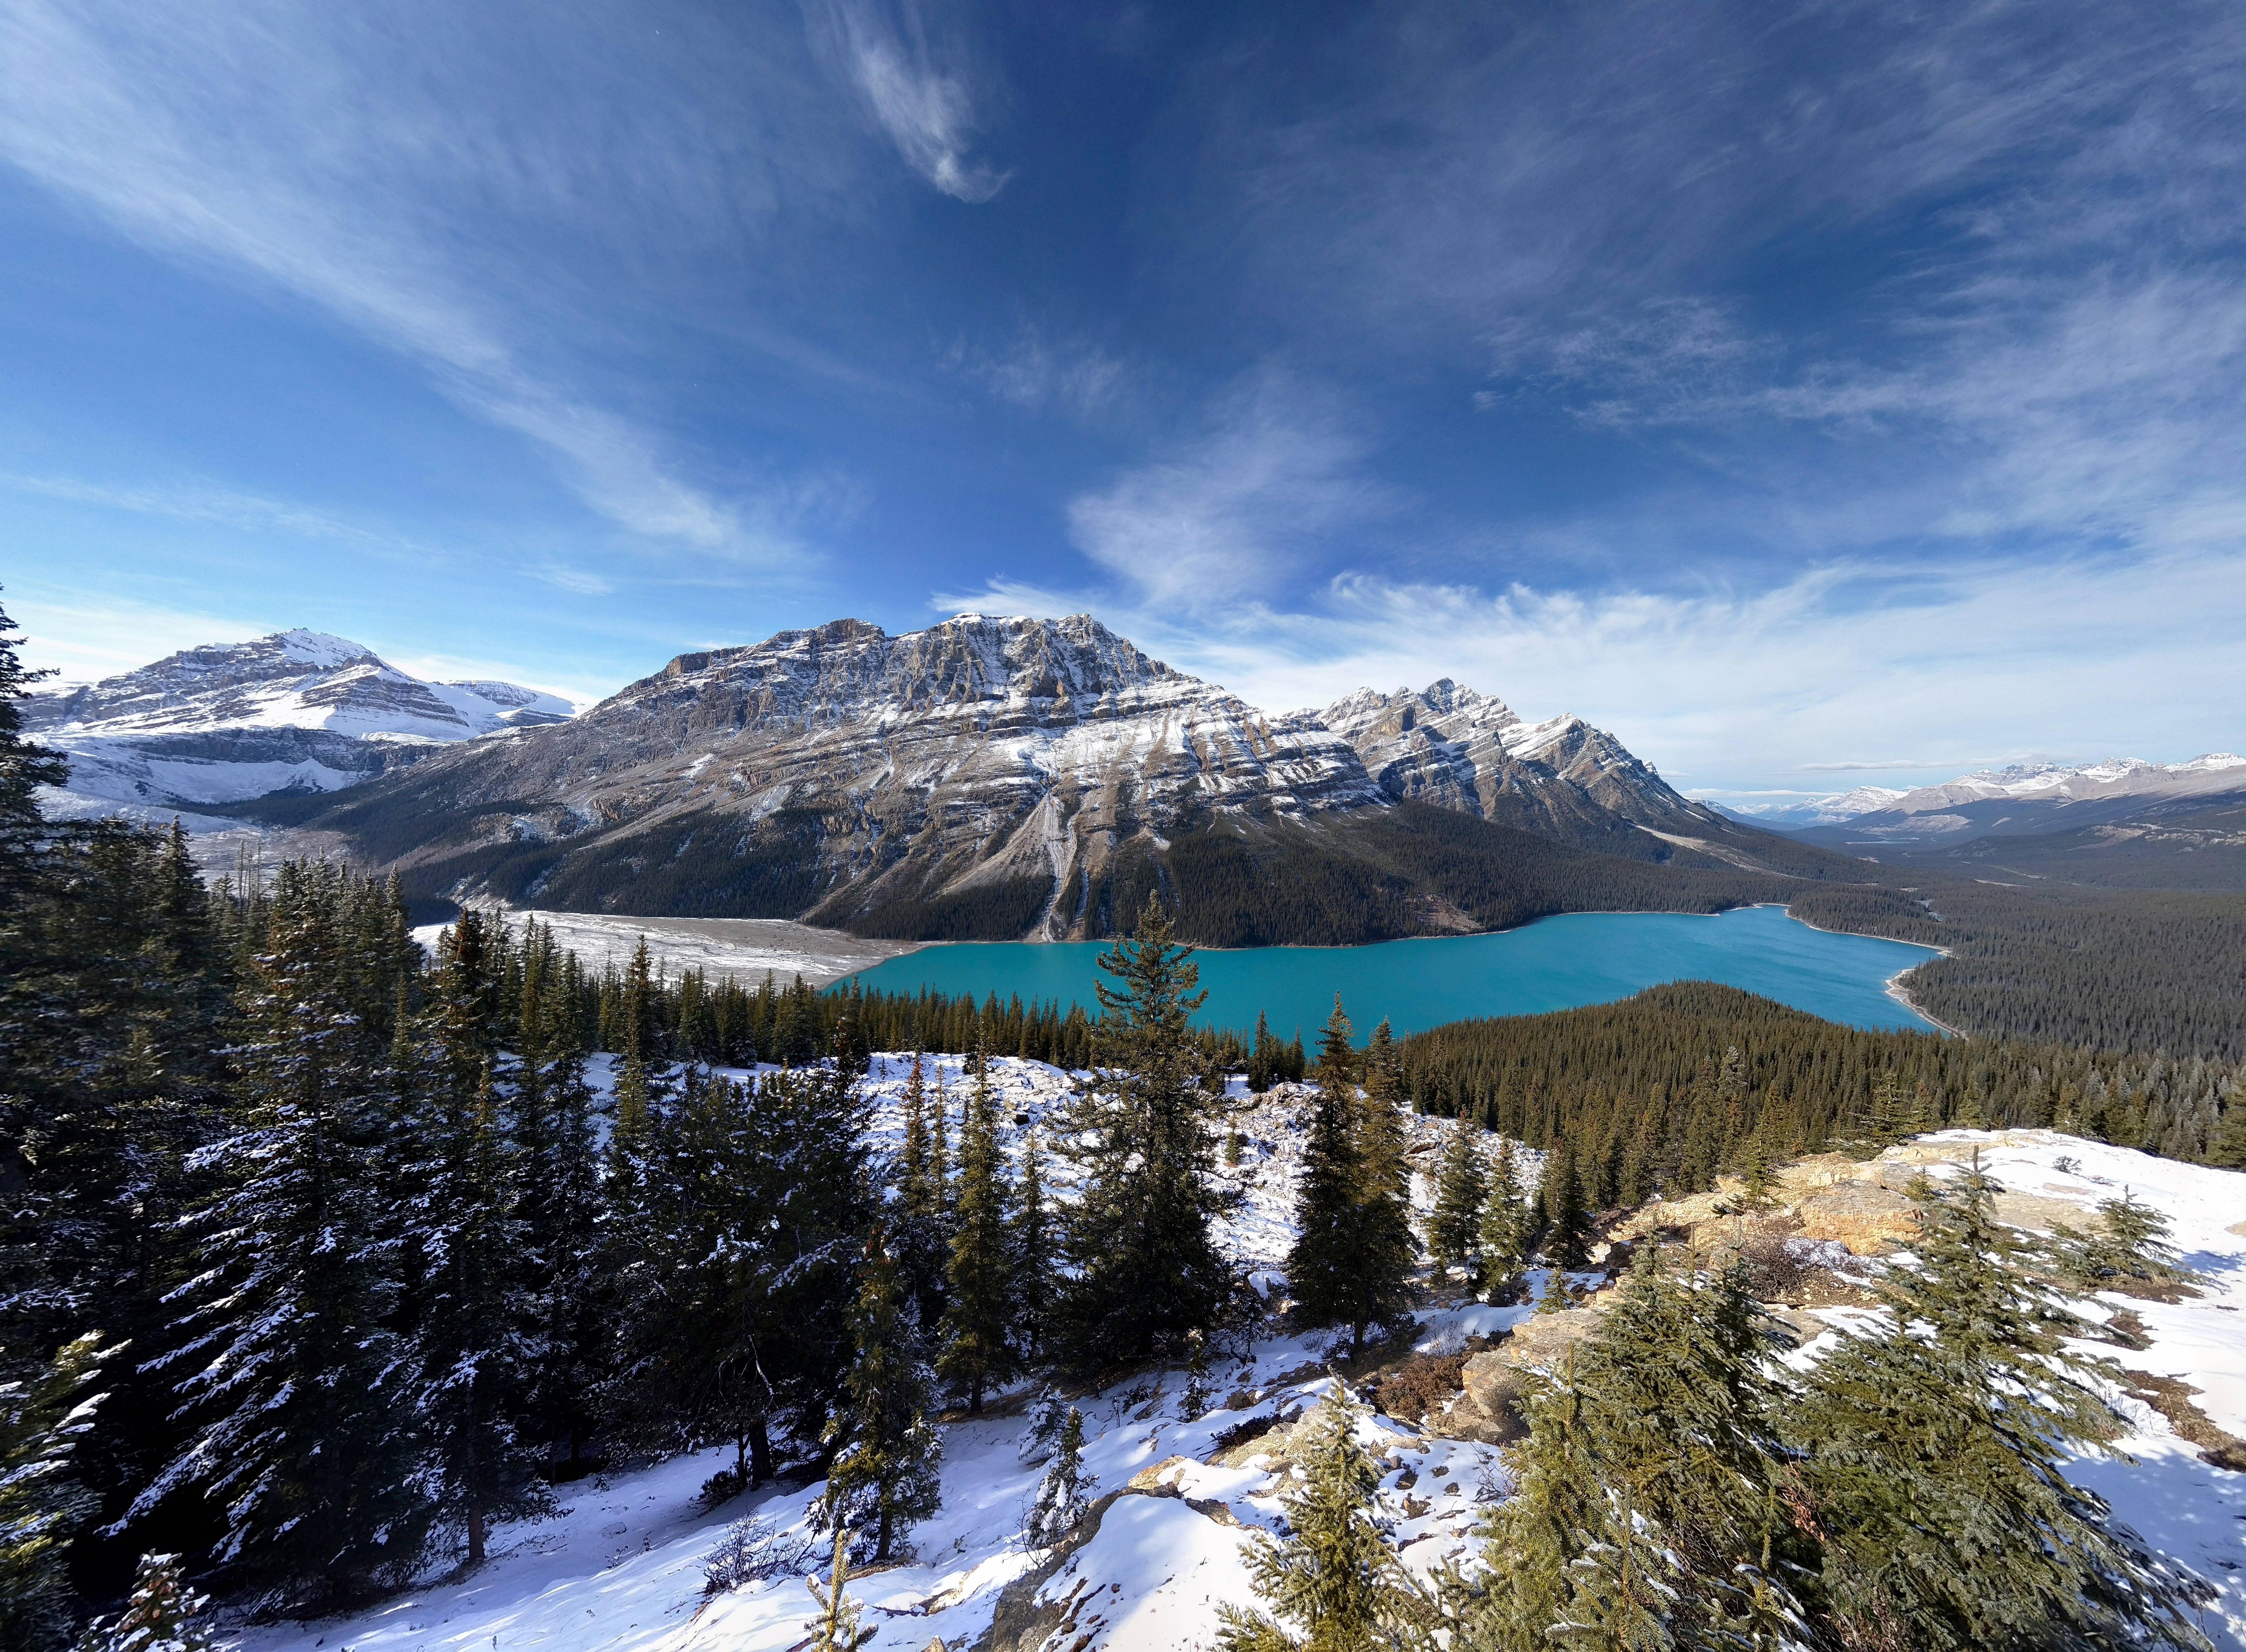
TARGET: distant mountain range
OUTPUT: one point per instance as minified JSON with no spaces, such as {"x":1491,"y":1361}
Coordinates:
{"x":1947,"y":809}
{"x":297,"y":711}
{"x":2120,"y":823}
{"x":985,"y":777}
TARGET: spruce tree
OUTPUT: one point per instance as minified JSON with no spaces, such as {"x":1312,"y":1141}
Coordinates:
{"x":1034,"y":1240}
{"x":1387,"y":1248}
{"x":1062,"y":1500}
{"x":836,"y":1628}
{"x":1932,"y":1450}
{"x":2130,"y":1245}
{"x":1324,"y":1262}
{"x":24,"y":767}
{"x":886,"y":1473}
{"x":1461,"y":1189}
{"x":1503,"y":1234}
{"x":42,"y":1503}
{"x":159,"y":1617}
{"x":1146,"y":1271}
{"x":1651,"y":1504}
{"x":977,"y":1352}
{"x":291,"y":1382}
{"x":1567,"y":1223}
{"x":475,"y":1339}
{"x":1333,"y":1576}
{"x":562,"y":1208}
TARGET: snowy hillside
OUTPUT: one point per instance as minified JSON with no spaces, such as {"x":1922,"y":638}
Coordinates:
{"x":623,"y":1567}
{"x":295,"y":711}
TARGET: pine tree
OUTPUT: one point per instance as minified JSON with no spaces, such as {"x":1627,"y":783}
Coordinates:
{"x":977,"y":1353}
{"x":293,"y":1387}
{"x":1334,"y":1575}
{"x":1062,"y":1498}
{"x":1323,"y":1264}
{"x":1461,"y":1189}
{"x":475,"y":1339}
{"x":1034,"y":1240}
{"x":887,"y":1471}
{"x":2131,"y":1244}
{"x":42,"y":1421}
{"x":1931,"y":1454}
{"x":1146,"y":1269}
{"x":1387,"y":1248}
{"x":159,"y":1617}
{"x":1567,"y":1224}
{"x":1503,"y":1234}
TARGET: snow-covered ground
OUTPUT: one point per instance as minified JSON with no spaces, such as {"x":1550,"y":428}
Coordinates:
{"x":747,"y":948}
{"x":622,"y":1567}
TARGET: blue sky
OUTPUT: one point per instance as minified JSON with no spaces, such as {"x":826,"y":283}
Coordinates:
{"x":1817,"y":395}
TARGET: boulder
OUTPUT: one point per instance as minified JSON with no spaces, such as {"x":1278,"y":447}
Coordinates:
{"x":1493,"y":1380}
{"x":1869,"y":1219}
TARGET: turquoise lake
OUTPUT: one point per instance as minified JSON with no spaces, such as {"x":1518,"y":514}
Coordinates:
{"x":1555,"y":963}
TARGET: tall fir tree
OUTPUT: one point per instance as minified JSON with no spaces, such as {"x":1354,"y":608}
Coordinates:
{"x":1035,"y":1238}
{"x":886,"y":1475}
{"x":1461,"y":1190}
{"x":1325,"y":1260}
{"x":1567,"y":1222}
{"x":1503,"y":1235}
{"x":476,"y":1341}
{"x":294,"y":1392}
{"x":1145,"y":1268}
{"x":44,"y":1420}
{"x":977,"y":1350}
{"x":1387,"y":1246}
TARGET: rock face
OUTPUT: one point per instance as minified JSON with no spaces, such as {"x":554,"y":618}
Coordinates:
{"x":1495,"y":1382}
{"x":295,"y":711}
{"x":1452,"y":747}
{"x":985,"y":777}
{"x":1866,"y":1218}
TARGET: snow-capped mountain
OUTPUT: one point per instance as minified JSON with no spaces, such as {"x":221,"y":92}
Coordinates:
{"x":1460,"y":750}
{"x":298,"y":710}
{"x":2109,"y":780}
{"x":985,"y":776}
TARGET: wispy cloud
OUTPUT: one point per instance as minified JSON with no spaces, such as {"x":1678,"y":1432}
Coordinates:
{"x":1238,"y":508}
{"x":338,"y":164}
{"x":1037,"y":370}
{"x":925,"y":105}
{"x":218,"y":506}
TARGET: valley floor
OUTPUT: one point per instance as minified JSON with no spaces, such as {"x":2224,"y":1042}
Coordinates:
{"x":621,"y":1568}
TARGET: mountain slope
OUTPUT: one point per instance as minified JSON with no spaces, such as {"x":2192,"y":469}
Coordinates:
{"x":295,"y":711}
{"x":991,"y":778}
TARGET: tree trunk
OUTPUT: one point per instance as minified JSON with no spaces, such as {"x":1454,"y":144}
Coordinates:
{"x":476,"y":1534}
{"x":760,"y":1451}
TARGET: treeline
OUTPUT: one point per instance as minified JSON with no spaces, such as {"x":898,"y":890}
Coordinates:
{"x":2150,"y":972}
{"x":1664,"y":1089}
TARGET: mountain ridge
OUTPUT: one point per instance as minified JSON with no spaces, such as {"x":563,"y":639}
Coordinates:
{"x":993,"y":777}
{"x":293,"y":710}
